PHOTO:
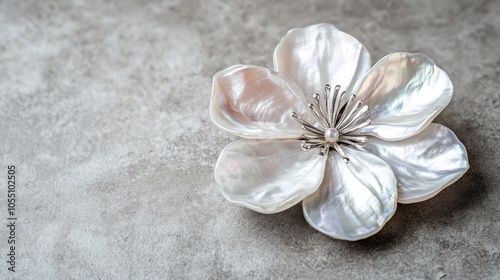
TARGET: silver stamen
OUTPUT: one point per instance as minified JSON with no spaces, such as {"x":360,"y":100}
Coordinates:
{"x":360,"y":112}
{"x":312,"y":130}
{"x":303,"y":122}
{"x":306,"y":145}
{"x":330,"y":107}
{"x":345,"y":117}
{"x":336,"y":108}
{"x":316,"y":115}
{"x":317,"y":98}
{"x":341,"y":152}
{"x":352,"y":128}
{"x":325,"y":150}
{"x":361,"y":139}
{"x":359,"y":146}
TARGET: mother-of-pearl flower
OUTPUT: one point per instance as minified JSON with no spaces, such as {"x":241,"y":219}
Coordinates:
{"x":349,"y":155}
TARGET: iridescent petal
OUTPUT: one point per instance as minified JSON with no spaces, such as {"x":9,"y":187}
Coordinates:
{"x":424,"y":164}
{"x":254,"y":102}
{"x":354,"y":200}
{"x":321,"y":54}
{"x":405,"y":92}
{"x":268,"y":176}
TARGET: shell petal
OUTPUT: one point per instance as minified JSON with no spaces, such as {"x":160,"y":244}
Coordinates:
{"x":268,"y":176}
{"x":405,"y":92}
{"x":424,"y":164}
{"x":255,"y":102}
{"x":354,"y":200}
{"x":321,"y":54}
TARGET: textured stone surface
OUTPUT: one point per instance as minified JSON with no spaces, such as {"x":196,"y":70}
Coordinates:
{"x":104,"y":112}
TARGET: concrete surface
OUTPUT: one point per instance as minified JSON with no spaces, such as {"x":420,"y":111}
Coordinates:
{"x":104,"y":113}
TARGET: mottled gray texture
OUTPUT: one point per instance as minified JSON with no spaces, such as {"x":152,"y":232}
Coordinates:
{"x":104,"y":111}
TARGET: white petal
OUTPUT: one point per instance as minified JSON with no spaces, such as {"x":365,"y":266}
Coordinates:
{"x":405,"y":92}
{"x":354,"y":200}
{"x":321,"y":54}
{"x":255,"y":102}
{"x":268,"y":176}
{"x":423,"y":164}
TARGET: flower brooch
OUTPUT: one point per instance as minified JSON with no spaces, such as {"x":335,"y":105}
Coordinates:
{"x":324,"y":128}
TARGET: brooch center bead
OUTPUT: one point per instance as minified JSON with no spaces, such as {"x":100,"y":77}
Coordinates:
{"x":331,"y":135}
{"x":336,"y":120}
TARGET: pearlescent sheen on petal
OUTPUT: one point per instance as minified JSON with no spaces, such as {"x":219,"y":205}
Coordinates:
{"x":424,"y":164}
{"x":268,"y":176}
{"x":405,"y":92}
{"x":379,"y":142}
{"x":321,"y":54}
{"x":255,"y":102}
{"x":354,"y":200}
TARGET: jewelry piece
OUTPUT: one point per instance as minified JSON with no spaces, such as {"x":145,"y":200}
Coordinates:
{"x":350,"y":152}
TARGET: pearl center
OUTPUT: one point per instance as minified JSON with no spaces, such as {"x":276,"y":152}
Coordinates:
{"x":331,"y":135}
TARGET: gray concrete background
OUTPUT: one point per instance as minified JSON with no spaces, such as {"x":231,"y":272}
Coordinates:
{"x":104,"y":112}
